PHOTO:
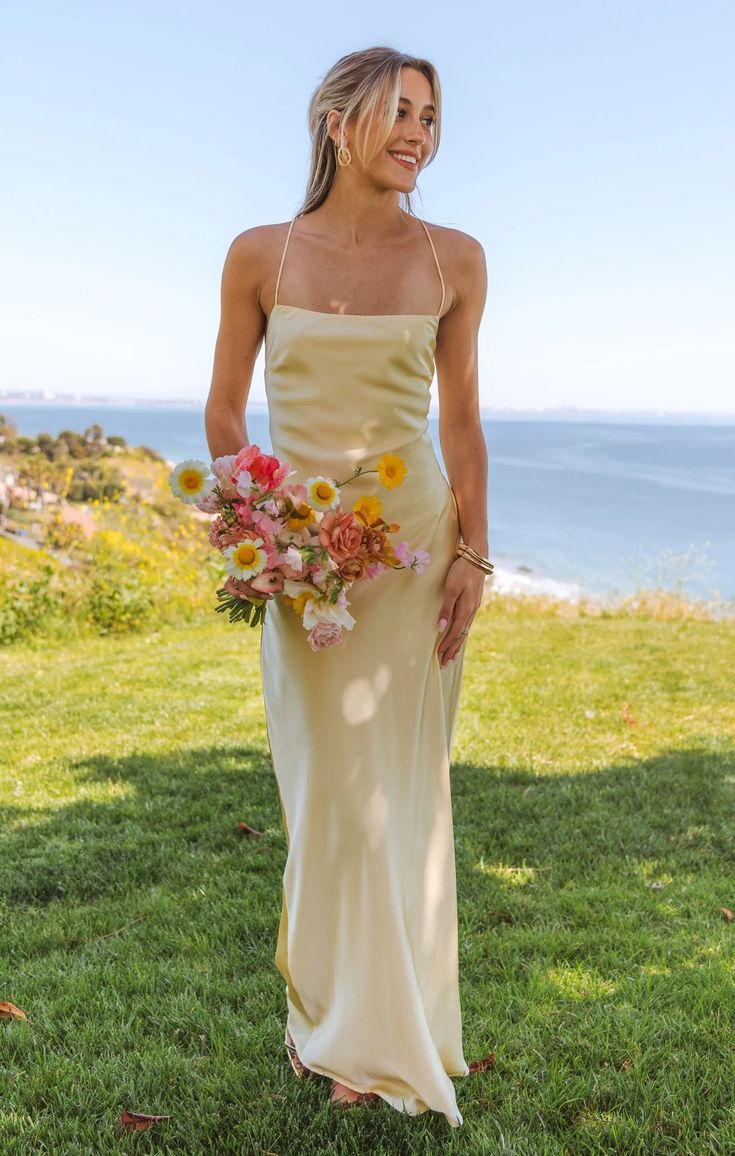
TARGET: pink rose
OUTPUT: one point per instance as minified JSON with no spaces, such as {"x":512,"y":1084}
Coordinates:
{"x":324,"y":634}
{"x":341,"y":534}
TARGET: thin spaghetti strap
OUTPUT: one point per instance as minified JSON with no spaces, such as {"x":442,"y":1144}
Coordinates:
{"x":438,"y":266}
{"x":283,"y":258}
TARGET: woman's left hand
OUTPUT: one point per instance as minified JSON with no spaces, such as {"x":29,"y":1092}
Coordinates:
{"x":462,"y":599}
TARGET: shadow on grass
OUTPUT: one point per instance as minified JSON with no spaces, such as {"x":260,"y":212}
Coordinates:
{"x":676,"y":809}
{"x":560,"y":934}
{"x":174,"y":815}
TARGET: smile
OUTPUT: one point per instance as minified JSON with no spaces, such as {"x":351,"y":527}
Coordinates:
{"x":407,"y":162}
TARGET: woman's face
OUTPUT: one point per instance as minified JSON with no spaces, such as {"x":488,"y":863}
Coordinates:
{"x":412,"y":139}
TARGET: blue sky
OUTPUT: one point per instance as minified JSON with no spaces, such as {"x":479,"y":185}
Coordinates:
{"x":588,"y":146}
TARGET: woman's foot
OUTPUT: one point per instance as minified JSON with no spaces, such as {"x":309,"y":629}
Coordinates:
{"x":345,"y":1096}
{"x":299,"y":1069}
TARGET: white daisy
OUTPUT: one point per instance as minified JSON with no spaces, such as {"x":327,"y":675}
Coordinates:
{"x":188,"y":481}
{"x":321,"y":493}
{"x":246,"y":559}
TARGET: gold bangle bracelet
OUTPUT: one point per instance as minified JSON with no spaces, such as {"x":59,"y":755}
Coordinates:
{"x":468,"y":552}
{"x":468,"y":558}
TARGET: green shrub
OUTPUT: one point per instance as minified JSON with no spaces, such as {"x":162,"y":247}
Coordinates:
{"x":115,"y":605}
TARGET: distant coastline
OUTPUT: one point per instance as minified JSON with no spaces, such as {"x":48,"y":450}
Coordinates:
{"x":500,"y":413}
{"x":578,"y":500}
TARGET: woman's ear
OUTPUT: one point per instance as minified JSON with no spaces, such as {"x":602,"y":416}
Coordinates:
{"x":333,"y":122}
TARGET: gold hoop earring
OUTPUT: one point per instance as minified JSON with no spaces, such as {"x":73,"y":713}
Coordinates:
{"x":344,"y":156}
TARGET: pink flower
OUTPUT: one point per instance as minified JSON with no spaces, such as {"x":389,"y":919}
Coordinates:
{"x":266,"y":471}
{"x":402,"y":553}
{"x":374,"y":569}
{"x":324,"y":634}
{"x":422,"y":559}
{"x":209,"y":505}
{"x":223,"y":468}
{"x":221,"y":535}
{"x":243,"y":512}
{"x":297,"y":493}
{"x":268,"y":582}
{"x":341,"y":534}
{"x":264,"y":523}
{"x":232,"y":586}
{"x":243,"y":483}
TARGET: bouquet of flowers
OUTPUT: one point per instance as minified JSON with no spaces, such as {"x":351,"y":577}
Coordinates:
{"x":294,"y":540}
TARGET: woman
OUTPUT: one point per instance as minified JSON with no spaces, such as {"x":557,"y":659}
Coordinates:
{"x":354,"y":296}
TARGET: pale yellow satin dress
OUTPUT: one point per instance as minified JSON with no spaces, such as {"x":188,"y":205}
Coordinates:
{"x":360,"y":734}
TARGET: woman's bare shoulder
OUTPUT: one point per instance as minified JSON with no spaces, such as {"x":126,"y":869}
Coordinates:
{"x":259,"y":239}
{"x":250,"y":264}
{"x":462,"y":259}
{"x":454,"y":242}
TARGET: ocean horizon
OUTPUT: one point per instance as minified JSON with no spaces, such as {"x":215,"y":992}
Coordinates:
{"x":578,"y":501}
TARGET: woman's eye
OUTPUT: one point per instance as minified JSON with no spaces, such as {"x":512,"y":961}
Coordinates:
{"x":431,"y":120}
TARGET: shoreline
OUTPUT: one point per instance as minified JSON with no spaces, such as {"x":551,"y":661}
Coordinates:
{"x":522,"y":580}
{"x":517,"y":579}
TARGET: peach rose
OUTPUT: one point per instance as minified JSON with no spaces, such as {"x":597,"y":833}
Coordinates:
{"x":341,"y":534}
{"x":352,"y":568}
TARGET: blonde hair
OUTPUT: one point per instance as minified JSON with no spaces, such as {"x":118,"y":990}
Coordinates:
{"x":365,"y":87}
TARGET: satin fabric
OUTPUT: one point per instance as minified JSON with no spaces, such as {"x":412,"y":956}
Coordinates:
{"x":361,"y":734}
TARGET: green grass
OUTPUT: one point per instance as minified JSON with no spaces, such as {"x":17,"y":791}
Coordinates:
{"x":594,"y":804}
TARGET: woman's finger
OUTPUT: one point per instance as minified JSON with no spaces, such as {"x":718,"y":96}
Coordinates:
{"x":454,"y":641}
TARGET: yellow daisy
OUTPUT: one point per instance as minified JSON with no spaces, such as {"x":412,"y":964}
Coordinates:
{"x":246,"y":559}
{"x":322,"y":493}
{"x":300,"y":517}
{"x":299,"y":603}
{"x":189,"y":481}
{"x":391,"y":470}
{"x":367,"y":509}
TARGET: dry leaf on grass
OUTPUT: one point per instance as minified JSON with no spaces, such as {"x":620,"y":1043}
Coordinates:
{"x":246,"y":829}
{"x":483,"y":1064}
{"x":8,"y":1011}
{"x":727,"y":914}
{"x":138,"y":1121}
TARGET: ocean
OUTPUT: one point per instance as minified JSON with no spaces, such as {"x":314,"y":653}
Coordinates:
{"x":600,"y":505}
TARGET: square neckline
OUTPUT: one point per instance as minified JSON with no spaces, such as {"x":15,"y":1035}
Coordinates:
{"x":352,"y":316}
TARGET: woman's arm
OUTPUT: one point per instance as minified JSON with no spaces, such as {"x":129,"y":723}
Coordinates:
{"x":241,"y":329}
{"x":461,"y":437}
{"x":460,"y":429}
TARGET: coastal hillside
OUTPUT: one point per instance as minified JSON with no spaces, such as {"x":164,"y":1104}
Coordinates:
{"x":93,"y":542}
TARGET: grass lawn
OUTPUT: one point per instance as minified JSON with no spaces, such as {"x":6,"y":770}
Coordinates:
{"x":594,"y":803}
